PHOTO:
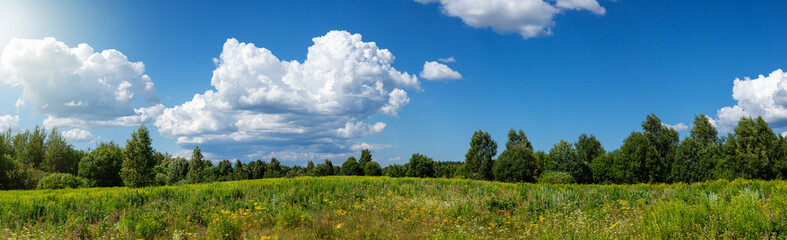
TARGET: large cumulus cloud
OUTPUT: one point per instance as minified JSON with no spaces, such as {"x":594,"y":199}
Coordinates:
{"x":262,"y":104}
{"x":529,"y":18}
{"x":78,"y":87}
{"x":764,"y":96}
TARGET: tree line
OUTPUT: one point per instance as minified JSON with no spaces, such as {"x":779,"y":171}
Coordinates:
{"x":656,"y":154}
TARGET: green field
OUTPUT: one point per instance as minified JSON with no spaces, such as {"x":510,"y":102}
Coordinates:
{"x":403,"y":208}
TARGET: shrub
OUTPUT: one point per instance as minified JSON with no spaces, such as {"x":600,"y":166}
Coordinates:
{"x":60,"y":181}
{"x":556,"y":177}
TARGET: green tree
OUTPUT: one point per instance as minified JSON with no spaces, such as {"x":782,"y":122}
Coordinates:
{"x":372,"y":169}
{"x":7,"y":144}
{"x":197,"y":166}
{"x":274,"y":169}
{"x":588,"y":148}
{"x":395,"y":170}
{"x":351,"y":167}
{"x":478,"y":159}
{"x":665,"y":140}
{"x":420,"y":166}
{"x":563,"y":157}
{"x":102,"y":166}
{"x":59,"y":156}
{"x":32,"y":154}
{"x":366,"y":156}
{"x":516,"y":164}
{"x":517,"y":138}
{"x":138,"y":161}
{"x":8,"y":169}
{"x":239,"y":172}
{"x":750,"y":150}
{"x":637,"y":149}
{"x":613,"y":167}
{"x":696,"y":156}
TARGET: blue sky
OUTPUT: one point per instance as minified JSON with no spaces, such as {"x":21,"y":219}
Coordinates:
{"x":597,"y":69}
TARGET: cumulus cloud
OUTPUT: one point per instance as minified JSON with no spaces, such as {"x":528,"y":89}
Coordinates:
{"x":762,"y":96}
{"x":529,"y":18}
{"x":78,"y":135}
{"x":77,"y":85}
{"x":677,"y":127}
{"x":8,"y":121}
{"x":262,"y":104}
{"x":437,"y":71}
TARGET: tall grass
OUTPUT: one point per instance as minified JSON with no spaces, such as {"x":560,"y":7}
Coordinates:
{"x":403,"y":208}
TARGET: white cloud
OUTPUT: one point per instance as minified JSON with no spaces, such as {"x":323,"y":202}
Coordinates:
{"x":763,"y":96}
{"x":19,"y":104}
{"x":529,"y":18}
{"x":357,"y":147}
{"x":77,"y":84}
{"x":8,"y":121}
{"x":677,"y":127}
{"x":447,"y":60}
{"x":438,"y":71}
{"x":78,"y":135}
{"x":265,"y":105}
{"x":590,"y":5}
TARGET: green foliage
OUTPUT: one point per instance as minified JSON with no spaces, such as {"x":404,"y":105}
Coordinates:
{"x":196,"y":166}
{"x":101,"y":167}
{"x":273,"y":169}
{"x":516,"y":164}
{"x":752,"y":150}
{"x":373,"y":169}
{"x":395,"y":170}
{"x":324,"y":169}
{"x":478,"y":159}
{"x":138,"y":162}
{"x":351,"y":167}
{"x":517,"y":139}
{"x":420,"y":166}
{"x":563,"y":157}
{"x":8,"y":169}
{"x":656,"y":153}
{"x":447,"y":169}
{"x":31,"y":148}
{"x":60,"y":181}
{"x":556,"y":177}
{"x":59,"y":156}
{"x":366,"y":156}
{"x":148,"y":228}
{"x":224,"y":228}
{"x":292,"y":217}
{"x":613,"y":167}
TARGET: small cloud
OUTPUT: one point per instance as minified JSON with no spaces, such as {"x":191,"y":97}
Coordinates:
{"x":437,"y":71}
{"x":78,"y":135}
{"x":395,"y":159}
{"x":8,"y":121}
{"x":677,"y":127}
{"x":371,"y":146}
{"x":447,"y":60}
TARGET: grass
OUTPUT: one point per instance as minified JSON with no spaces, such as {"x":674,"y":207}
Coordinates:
{"x":400,"y":208}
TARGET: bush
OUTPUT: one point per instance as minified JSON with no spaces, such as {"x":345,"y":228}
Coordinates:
{"x":556,"y":177}
{"x":60,"y":181}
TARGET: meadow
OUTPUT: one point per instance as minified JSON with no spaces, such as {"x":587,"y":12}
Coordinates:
{"x":400,"y":208}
